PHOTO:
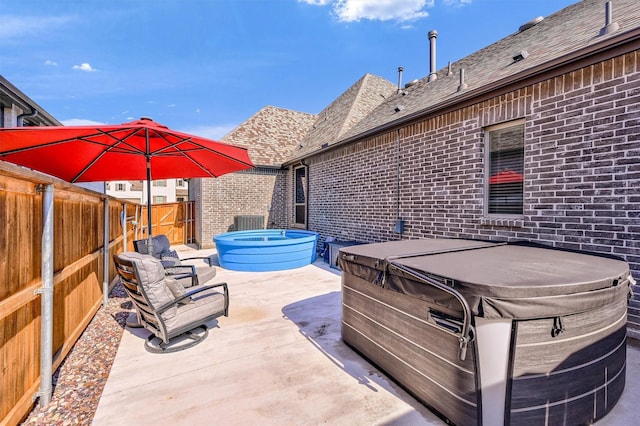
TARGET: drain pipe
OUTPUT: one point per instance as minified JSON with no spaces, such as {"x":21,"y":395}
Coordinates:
{"x":19,"y":118}
{"x":46,"y":295}
{"x":433,"y":34}
{"x":399,"y":225}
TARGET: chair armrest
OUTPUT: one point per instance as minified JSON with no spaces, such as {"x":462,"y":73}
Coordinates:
{"x":190,"y":271}
{"x":207,"y":259}
{"x":194,"y":291}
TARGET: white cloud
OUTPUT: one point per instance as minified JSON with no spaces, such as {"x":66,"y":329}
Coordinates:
{"x":84,"y":67}
{"x":381,"y":10}
{"x":51,"y":63}
{"x":215,"y":132}
{"x":80,"y":122}
{"x":377,"y":10}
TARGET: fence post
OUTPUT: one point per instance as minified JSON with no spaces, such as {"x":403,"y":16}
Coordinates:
{"x":124,"y":226}
{"x":105,"y":280}
{"x":46,"y":295}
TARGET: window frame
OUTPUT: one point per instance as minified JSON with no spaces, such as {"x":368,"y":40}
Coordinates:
{"x":488,"y":167}
{"x":305,"y":192}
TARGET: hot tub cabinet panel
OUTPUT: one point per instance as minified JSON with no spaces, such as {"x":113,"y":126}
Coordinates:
{"x":546,"y":337}
{"x":396,"y":332}
{"x":581,"y":371}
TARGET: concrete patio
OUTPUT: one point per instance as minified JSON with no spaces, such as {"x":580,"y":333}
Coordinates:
{"x":277,"y":359}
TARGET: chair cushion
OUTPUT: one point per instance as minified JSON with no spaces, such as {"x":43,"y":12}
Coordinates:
{"x":205,"y":274}
{"x":152,"y":280}
{"x":176,"y":288}
{"x":161,"y":245}
{"x":204,"y":304}
{"x":169,"y":258}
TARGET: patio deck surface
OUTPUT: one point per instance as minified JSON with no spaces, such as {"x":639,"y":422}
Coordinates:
{"x":277,"y":359}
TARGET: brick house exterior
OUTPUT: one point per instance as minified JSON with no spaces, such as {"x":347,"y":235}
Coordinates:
{"x":271,"y":136}
{"x":579,"y":102}
{"x":568,"y":85}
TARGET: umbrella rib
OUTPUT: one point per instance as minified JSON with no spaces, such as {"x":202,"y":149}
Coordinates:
{"x":86,"y":138}
{"x":183,"y":153}
{"x":118,"y":142}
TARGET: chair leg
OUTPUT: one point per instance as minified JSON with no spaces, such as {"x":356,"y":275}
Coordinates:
{"x":186,"y":340}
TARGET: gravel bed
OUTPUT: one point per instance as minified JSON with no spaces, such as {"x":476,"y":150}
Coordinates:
{"x":80,"y":379}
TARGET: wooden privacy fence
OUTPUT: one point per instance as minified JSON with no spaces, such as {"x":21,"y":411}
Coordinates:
{"x":78,"y":266}
{"x":175,"y":220}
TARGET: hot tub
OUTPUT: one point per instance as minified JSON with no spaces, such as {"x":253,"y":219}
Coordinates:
{"x":491,"y":333}
{"x":266,"y":249}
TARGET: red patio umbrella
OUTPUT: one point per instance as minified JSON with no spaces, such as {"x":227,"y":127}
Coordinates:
{"x":139,"y":150}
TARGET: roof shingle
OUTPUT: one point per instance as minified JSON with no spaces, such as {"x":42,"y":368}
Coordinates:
{"x":565,"y":32}
{"x":271,"y":134}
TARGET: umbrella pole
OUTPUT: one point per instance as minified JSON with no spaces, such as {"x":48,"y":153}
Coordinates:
{"x":149,"y":240}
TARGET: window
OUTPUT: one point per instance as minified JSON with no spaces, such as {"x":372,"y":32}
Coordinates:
{"x":159,"y":199}
{"x":180,"y":183}
{"x":162,"y":182}
{"x":120,"y":187}
{"x":505,"y":169}
{"x":300,"y":196}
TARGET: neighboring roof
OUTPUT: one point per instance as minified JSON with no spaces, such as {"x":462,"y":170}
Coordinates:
{"x":554,"y":41}
{"x":345,"y":112}
{"x":35,"y":115}
{"x":271,"y":134}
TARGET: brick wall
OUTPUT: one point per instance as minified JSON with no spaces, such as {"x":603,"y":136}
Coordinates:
{"x":582,"y":169}
{"x":259,"y":191}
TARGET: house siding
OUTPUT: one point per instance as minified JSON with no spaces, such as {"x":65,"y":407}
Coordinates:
{"x":582,"y":169}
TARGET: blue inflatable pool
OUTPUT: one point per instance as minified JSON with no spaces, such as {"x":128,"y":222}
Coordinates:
{"x":266,"y":249}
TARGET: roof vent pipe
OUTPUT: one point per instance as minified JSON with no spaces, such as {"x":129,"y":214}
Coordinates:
{"x":400,"y":69}
{"x":449,"y":70}
{"x":433,"y":34}
{"x":463,"y":85}
{"x":609,"y":26}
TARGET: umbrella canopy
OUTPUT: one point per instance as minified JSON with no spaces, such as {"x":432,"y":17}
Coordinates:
{"x":139,"y":150}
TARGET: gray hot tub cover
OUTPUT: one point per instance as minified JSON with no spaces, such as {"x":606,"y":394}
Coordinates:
{"x":498,"y":280}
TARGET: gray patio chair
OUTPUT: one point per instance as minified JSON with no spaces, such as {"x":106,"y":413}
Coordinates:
{"x":175,"y":316}
{"x":188,"y":275}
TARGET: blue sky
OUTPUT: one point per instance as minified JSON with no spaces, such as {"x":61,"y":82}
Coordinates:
{"x":205,"y":66}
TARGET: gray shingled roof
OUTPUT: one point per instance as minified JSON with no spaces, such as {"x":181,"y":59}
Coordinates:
{"x":563,"y":33}
{"x":345,"y":112}
{"x":271,"y":134}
